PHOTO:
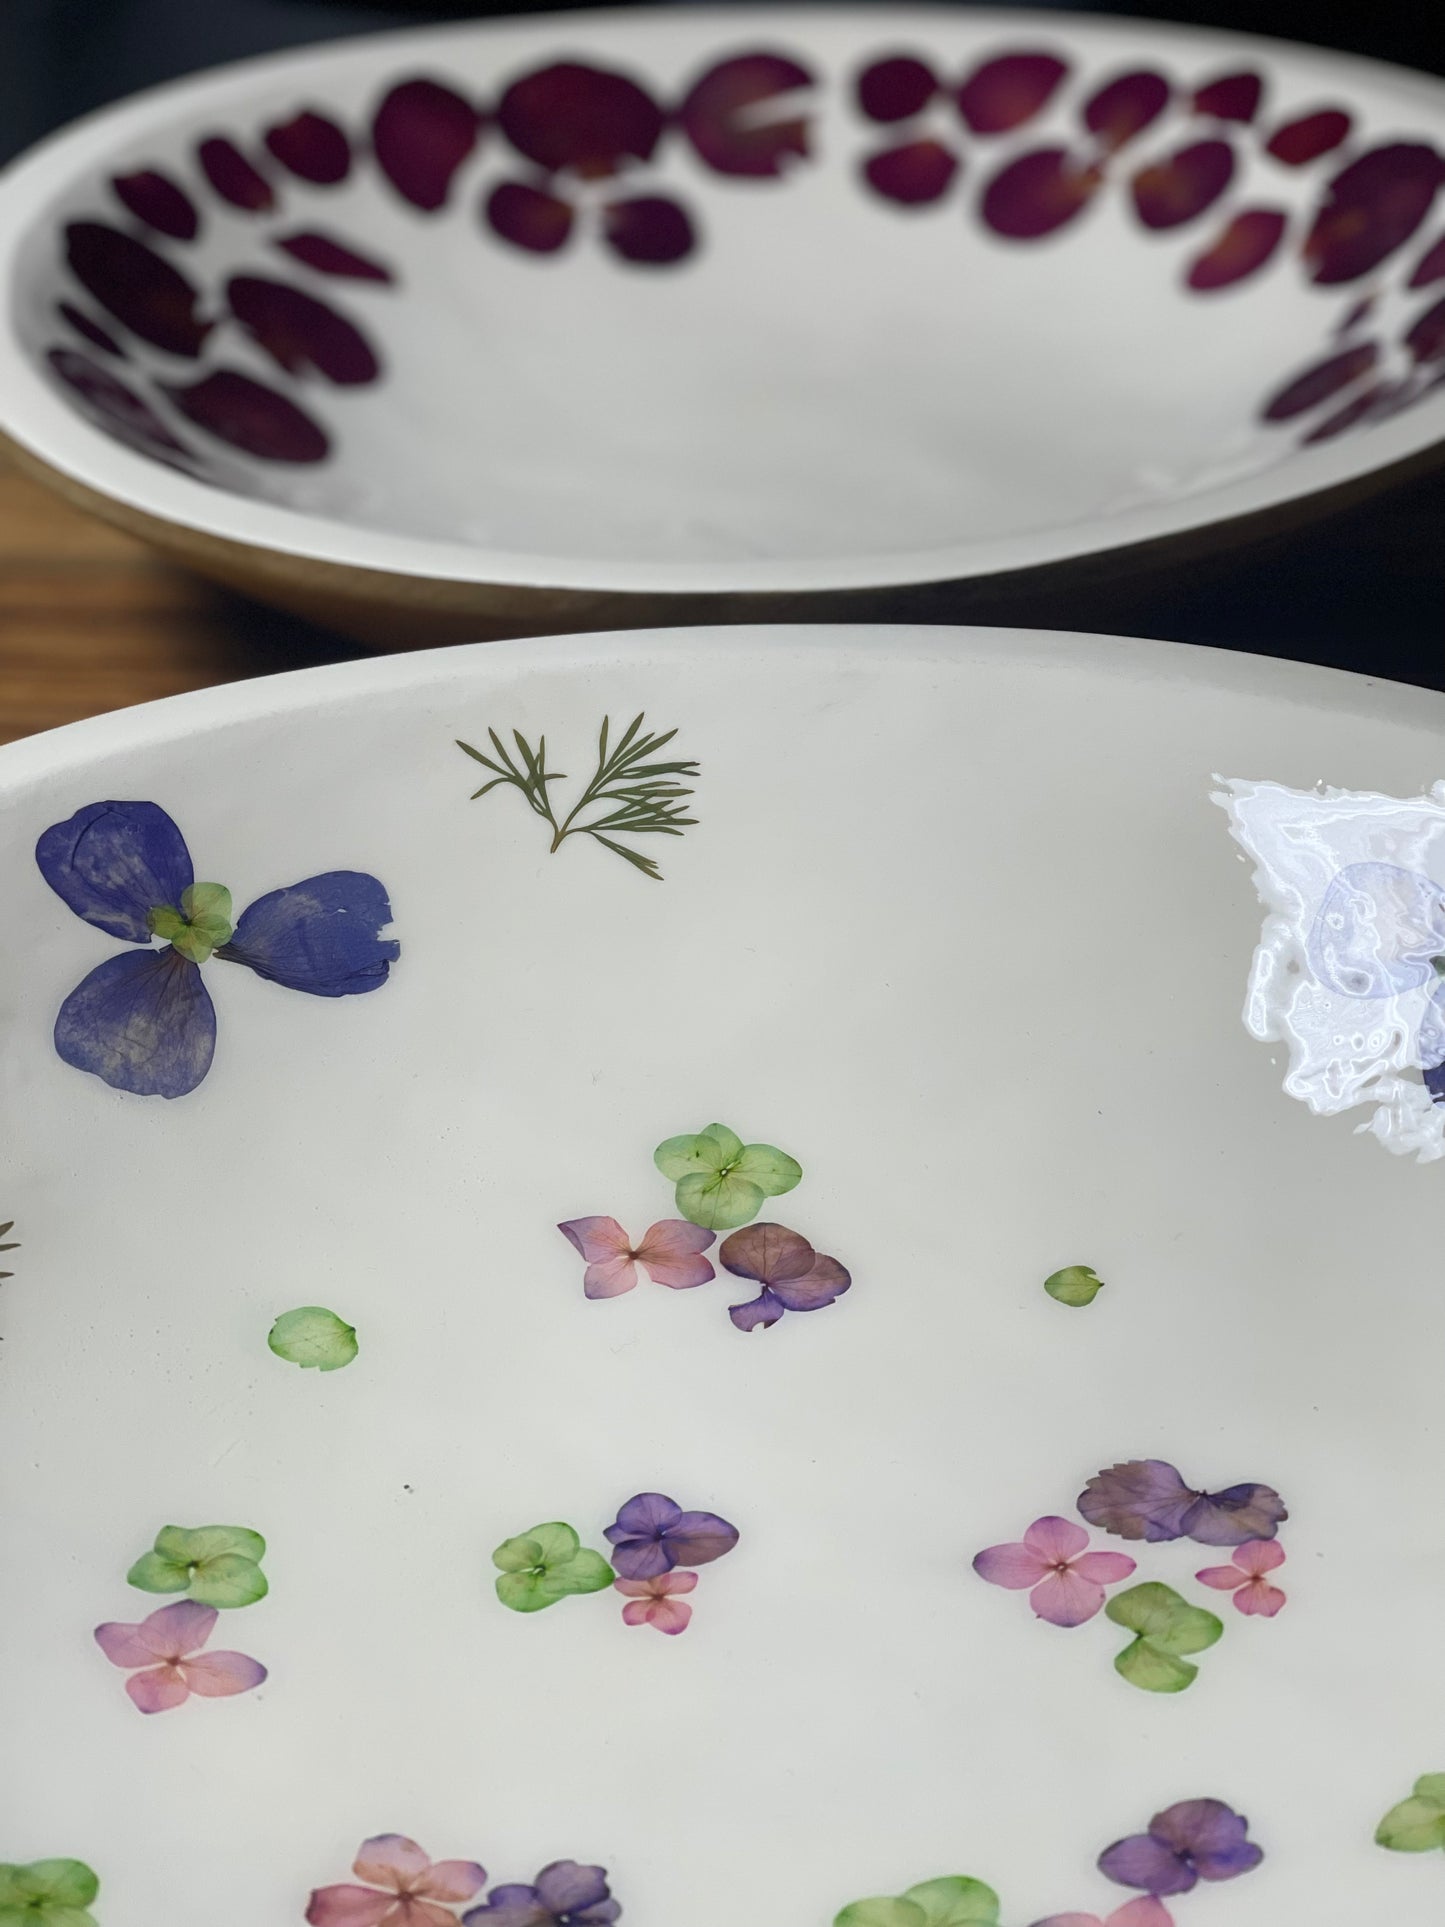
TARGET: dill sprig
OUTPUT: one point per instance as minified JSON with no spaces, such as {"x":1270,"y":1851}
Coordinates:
{"x":10,"y":1247}
{"x":637,"y":795}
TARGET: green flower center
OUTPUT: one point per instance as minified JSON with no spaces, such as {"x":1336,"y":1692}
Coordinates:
{"x":201,"y":925}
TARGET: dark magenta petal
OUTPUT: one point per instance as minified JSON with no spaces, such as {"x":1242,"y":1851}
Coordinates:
{"x":137,"y":285}
{"x":822,"y":1285}
{"x":1139,"y":1499}
{"x":251,"y":417}
{"x":1179,"y":189}
{"x":1431,"y":266}
{"x":650,"y":229}
{"x":758,"y":1313}
{"x":142,"y":1021}
{"x":1301,"y":141}
{"x":529,"y":217}
{"x":1231,"y":97}
{"x":914,"y":175}
{"x":1126,"y":107}
{"x":92,"y":330}
{"x":581,"y":118}
{"x":1212,"y":1835}
{"x":1038,"y":194}
{"x":647,"y":1513}
{"x":312,"y":147}
{"x":697,"y":1538}
{"x":564,"y":1887}
{"x":233,"y":177}
{"x":726,"y":118}
{"x":299,"y":332}
{"x":1317,"y":384}
{"x":1357,"y":315}
{"x":120,"y":408}
{"x":321,"y":936}
{"x":1372,"y":208}
{"x":326,"y":256}
{"x":114,"y":862}
{"x":1243,"y":248}
{"x":1426,"y":338}
{"x":1235,"y":1516}
{"x":1143,"y":1861}
{"x":1004,"y":93}
{"x":1346,"y":417}
{"x":155,"y":199}
{"x":422,"y":134}
{"x":767,"y":1252}
{"x":896,"y":88}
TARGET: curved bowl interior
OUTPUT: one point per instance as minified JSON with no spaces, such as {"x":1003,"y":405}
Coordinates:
{"x":717,"y":301}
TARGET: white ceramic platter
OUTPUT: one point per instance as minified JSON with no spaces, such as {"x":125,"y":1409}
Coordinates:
{"x":955,"y":941}
{"x":704,"y":301}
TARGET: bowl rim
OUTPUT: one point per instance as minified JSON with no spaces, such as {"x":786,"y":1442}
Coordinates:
{"x":59,"y":438}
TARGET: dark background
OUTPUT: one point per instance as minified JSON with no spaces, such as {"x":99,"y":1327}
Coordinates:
{"x":1363,"y":588}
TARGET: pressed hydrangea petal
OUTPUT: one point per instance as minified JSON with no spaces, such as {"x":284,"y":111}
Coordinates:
{"x":218,"y":1675}
{"x":671,"y":1253}
{"x":112,"y":863}
{"x":143,"y":1022}
{"x":1236,"y":1515}
{"x":158,"y":1689}
{"x":390,"y":1860}
{"x":607,"y":1248}
{"x":1259,"y":1599}
{"x":697,"y":1538}
{"x":1143,"y":1861}
{"x":123,"y":1645}
{"x":566,"y":1888}
{"x":610,"y":1279}
{"x":512,"y":1906}
{"x":669,"y":1615}
{"x":823,"y":1282}
{"x":349,"y":1906}
{"x":1214,"y":1836}
{"x":173,"y":1631}
{"x":320,"y":935}
{"x":768,"y":1252}
{"x":1104,"y":1568}
{"x":1054,"y":1539}
{"x":1139,"y":1499}
{"x":1015,"y":1566}
{"x":758,"y":1313}
{"x":1221,"y":1578}
{"x":1259,"y":1555}
{"x":641,"y":1558}
{"x":647,"y":1512}
{"x":1063,"y":1598}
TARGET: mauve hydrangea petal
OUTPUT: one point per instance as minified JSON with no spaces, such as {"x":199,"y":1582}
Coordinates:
{"x":647,"y":1513}
{"x":824,"y":1281}
{"x":581,"y":118}
{"x":158,"y":1690}
{"x":1143,"y":1861}
{"x":321,"y":935}
{"x":1104,"y":1568}
{"x":566,"y":1887}
{"x":1258,"y":1598}
{"x":1055,"y":1539}
{"x":768,"y":1252}
{"x":671,"y":1253}
{"x":512,"y":1906}
{"x":454,"y":1880}
{"x":641,"y":1558}
{"x":219,"y":1675}
{"x":124,"y":1645}
{"x":326,"y":256}
{"x":723,"y":116}
{"x":173,"y":1632}
{"x":233,"y":177}
{"x":1064,"y":1598}
{"x":1140,"y":1499}
{"x":312,"y":147}
{"x":299,"y":332}
{"x":252,"y":417}
{"x":1015,"y":1567}
{"x":390,"y":1860}
{"x":143,"y":1022}
{"x":348,"y":1906}
{"x":1213,"y":1835}
{"x":1221,"y":1578}
{"x":113,"y":862}
{"x":760,"y":1312}
{"x":1005,"y":92}
{"x":138,"y":286}
{"x":1259,"y":1555}
{"x":1239,"y":1513}
{"x":697,"y":1538}
{"x":155,"y":198}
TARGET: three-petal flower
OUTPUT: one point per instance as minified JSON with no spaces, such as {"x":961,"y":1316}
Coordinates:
{"x":1245,"y":1577}
{"x":564,"y":1894}
{"x":166,"y":1648}
{"x":405,"y":1888}
{"x":652,"y":1534}
{"x":144,"y":1021}
{"x":670,"y":1254}
{"x":1067,"y":1581}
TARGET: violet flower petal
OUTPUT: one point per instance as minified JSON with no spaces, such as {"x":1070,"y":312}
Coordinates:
{"x":1143,"y":1861}
{"x":566,"y":1888}
{"x":1139,"y":1499}
{"x":320,"y":936}
{"x":758,"y":1313}
{"x":825,"y":1282}
{"x":1213,"y":1836}
{"x":114,"y":862}
{"x":143,"y":1022}
{"x":511,"y":1906}
{"x":697,"y":1538}
{"x":646,"y":1514}
{"x":1235,"y":1516}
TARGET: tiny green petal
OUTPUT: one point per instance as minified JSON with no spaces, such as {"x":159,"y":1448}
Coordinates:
{"x":771,"y":1170}
{"x":228,"y":1582}
{"x":165,"y":922}
{"x":314,"y":1338}
{"x":881,"y":1913}
{"x":719,"y":1203}
{"x":955,"y":1901}
{"x":1415,"y":1826}
{"x":152,"y":1572}
{"x":1075,"y":1285}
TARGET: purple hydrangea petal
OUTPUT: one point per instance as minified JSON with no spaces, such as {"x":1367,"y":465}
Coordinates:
{"x":1141,"y":1499}
{"x":511,"y":1907}
{"x":764,"y":1310}
{"x":114,"y":862}
{"x":641,"y":1558}
{"x":320,"y":936}
{"x":697,"y":1538}
{"x":1142,"y":1861}
{"x":566,"y":1888}
{"x":825,"y":1282}
{"x":602,"y":1915}
{"x":1213,"y":1836}
{"x":646,"y":1515}
{"x":143,"y":1021}
{"x":1235,"y":1516}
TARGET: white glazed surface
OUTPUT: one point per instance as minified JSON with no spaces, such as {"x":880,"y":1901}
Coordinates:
{"x":960,"y":928}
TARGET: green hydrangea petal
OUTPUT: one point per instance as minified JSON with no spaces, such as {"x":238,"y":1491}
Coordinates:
{"x":584,"y":1572}
{"x":154,"y":1573}
{"x":1146,"y":1665}
{"x":314,"y":1338}
{"x":518,"y":1555}
{"x":955,"y":1901}
{"x":68,"y":1881}
{"x":526,"y":1592}
{"x":189,"y":1546}
{"x":228,"y":1582}
{"x":770,"y":1169}
{"x":1415,"y":1826}
{"x":1431,"y":1786}
{"x":881,"y":1913}
{"x":696,"y":1151}
{"x":1158,"y":1612}
{"x":1075,"y":1285}
{"x":719,"y":1203}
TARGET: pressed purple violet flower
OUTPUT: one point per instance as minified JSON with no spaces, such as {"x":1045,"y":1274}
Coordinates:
{"x":144,"y":1021}
{"x":793,"y":1276}
{"x":1147,"y":1499}
{"x":652,"y":1535}
{"x":1192,"y":1841}
{"x":563,"y":1895}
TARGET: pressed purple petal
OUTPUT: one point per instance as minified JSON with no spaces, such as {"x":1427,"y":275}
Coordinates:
{"x":326,"y":256}
{"x":529,"y":217}
{"x":1372,"y":208}
{"x":768,"y":1252}
{"x":321,"y":935}
{"x":422,"y":134}
{"x":1235,"y":1516}
{"x":821,"y":1285}
{"x":581,"y":118}
{"x":83,"y":324}
{"x":111,"y":863}
{"x":233,"y":177}
{"x":565,"y":1887}
{"x":1003,"y":93}
{"x":697,"y":1538}
{"x":641,"y":1558}
{"x":143,"y":1022}
{"x":650,"y":229}
{"x":1139,"y":1499}
{"x":649,"y":1512}
{"x":250,"y":416}
{"x":1142,"y":1861}
{"x":300,"y":333}
{"x":155,"y":198}
{"x":915,"y":175}
{"x":512,"y":1906}
{"x":312,"y":147}
{"x":603,"y":1914}
{"x":1231,"y":97}
{"x":764,"y":1310}
{"x":1212,"y":1835}
{"x":896,"y":88}
{"x":138,"y":286}
{"x":730,"y":133}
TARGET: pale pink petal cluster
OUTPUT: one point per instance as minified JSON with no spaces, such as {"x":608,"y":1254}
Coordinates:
{"x":1245,"y":1578}
{"x":670,"y":1253}
{"x":166,"y":1648}
{"x":404,"y":1888}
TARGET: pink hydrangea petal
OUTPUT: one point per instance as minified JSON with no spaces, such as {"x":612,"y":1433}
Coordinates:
{"x":1221,"y":1578}
{"x":1258,"y":1556}
{"x":1014,"y":1566}
{"x":176,"y":1630}
{"x":349,"y":1907}
{"x":597,"y":1239}
{"x":216,"y":1676}
{"x":1146,"y":1911}
{"x":1259,"y":1598}
{"x":1055,"y":1539}
{"x":635,"y":1588}
{"x":610,"y":1279}
{"x":453,"y":1880}
{"x":158,"y":1689}
{"x":391,"y":1860}
{"x":123,"y":1645}
{"x":635,"y":1612}
{"x":669,"y":1615}
{"x":676,"y":1581}
{"x":671,"y":1253}
{"x":1066,"y":1599}
{"x":1104,"y":1568}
